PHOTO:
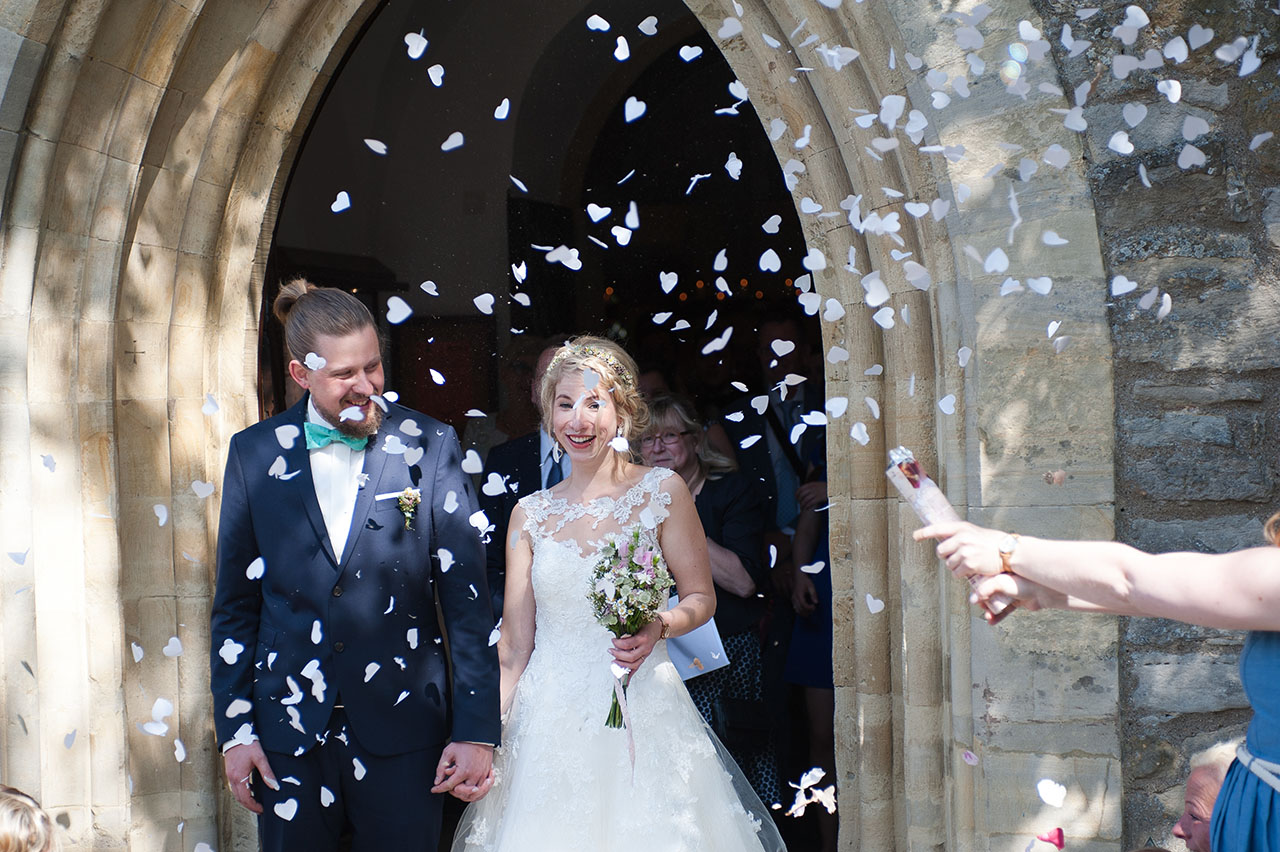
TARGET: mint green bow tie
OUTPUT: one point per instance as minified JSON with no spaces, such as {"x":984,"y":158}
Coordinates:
{"x":319,"y":437}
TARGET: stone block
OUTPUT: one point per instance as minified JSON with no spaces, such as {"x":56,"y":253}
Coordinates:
{"x":1197,"y":472}
{"x":1216,"y":535}
{"x":1171,"y":393}
{"x":1160,"y":131}
{"x":20,"y":60}
{"x":93,"y":109}
{"x":1173,"y":428}
{"x":1271,"y":215}
{"x":1195,"y":682}
{"x":1090,"y":813}
{"x":137,"y":110}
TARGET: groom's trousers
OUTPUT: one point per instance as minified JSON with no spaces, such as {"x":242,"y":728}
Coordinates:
{"x":386,"y":802}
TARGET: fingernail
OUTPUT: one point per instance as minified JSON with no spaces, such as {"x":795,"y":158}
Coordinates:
{"x":272,"y":783}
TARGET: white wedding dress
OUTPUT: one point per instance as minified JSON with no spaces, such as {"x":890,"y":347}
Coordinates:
{"x":564,"y":781}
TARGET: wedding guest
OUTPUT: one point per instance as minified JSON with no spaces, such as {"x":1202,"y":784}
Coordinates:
{"x":1208,"y":769}
{"x":525,"y":464}
{"x":1232,"y":591}
{"x":24,"y":825}
{"x":732,"y":515}
{"x":517,"y":413}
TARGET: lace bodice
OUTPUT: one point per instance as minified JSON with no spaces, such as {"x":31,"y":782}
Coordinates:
{"x":566,"y":539}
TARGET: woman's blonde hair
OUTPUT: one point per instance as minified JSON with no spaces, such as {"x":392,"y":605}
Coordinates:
{"x":617,"y":372}
{"x":1272,"y":529}
{"x":673,"y":408}
{"x":24,"y":825}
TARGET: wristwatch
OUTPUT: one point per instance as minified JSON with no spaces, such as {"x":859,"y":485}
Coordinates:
{"x":1007,"y":545}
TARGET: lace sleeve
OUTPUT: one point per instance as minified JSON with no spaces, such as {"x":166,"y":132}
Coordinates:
{"x":654,"y":497}
{"x":536,"y":509}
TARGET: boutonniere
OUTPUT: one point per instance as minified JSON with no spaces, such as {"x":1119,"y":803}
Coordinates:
{"x":408,"y":502}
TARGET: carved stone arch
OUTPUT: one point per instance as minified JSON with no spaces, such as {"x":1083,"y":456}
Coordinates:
{"x":136,"y":228}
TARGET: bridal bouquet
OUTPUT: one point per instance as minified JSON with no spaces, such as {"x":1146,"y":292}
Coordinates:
{"x":629,"y":586}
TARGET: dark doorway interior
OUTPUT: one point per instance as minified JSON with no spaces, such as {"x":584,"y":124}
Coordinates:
{"x":467,"y":236}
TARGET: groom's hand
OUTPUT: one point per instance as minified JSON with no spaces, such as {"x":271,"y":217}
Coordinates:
{"x":465,"y":771}
{"x":241,"y":761}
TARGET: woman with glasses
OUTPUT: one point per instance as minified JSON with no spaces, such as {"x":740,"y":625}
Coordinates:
{"x":733,"y":518}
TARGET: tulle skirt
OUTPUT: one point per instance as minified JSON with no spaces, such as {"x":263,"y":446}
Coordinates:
{"x":566,"y":782}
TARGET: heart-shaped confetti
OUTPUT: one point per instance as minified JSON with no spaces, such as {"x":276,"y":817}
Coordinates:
{"x":416,"y":43}
{"x":503,"y":110}
{"x":874,"y":604}
{"x":633,"y":109}
{"x":772,"y":224}
{"x":597,"y":23}
{"x":916,"y":208}
{"x":1171,"y":89}
{"x":997,"y":261}
{"x":1040,"y":285}
{"x":1134,"y":114}
{"x":834,"y":310}
{"x":1176,"y":49}
{"x":769,"y":261}
{"x":256,"y":569}
{"x":730,"y":28}
{"x":436,"y":74}
{"x":201,"y":488}
{"x":836,"y":406}
{"x":1052,"y":329}
{"x":342,"y":201}
{"x":1190,"y":156}
{"x":622,"y":52}
{"x":814,"y":261}
{"x":484,"y":303}
{"x":859,"y":433}
{"x":398,"y":310}
{"x":1051,"y":792}
{"x":472,"y":463}
{"x":947,"y":405}
{"x":963,"y":354}
{"x":287,"y":809}
{"x":690,"y":52}
{"x":884,"y":317}
{"x":1193,"y":127}
{"x":455,"y":140}
{"x":1199,"y":36}
{"x":649,"y":26}
{"x":413,"y":455}
{"x":668,"y":281}
{"x":172,"y":648}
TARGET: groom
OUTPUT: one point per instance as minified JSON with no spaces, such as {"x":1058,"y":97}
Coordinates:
{"x":344,"y":525}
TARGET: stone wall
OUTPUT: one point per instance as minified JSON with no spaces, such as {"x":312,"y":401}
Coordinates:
{"x":1195,"y":393}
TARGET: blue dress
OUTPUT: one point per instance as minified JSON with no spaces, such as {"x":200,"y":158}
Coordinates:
{"x":1246,"y":817}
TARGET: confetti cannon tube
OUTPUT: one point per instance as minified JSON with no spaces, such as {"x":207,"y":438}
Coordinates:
{"x":932,"y":507}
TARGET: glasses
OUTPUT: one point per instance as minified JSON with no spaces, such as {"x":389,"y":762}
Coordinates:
{"x":666,"y":438}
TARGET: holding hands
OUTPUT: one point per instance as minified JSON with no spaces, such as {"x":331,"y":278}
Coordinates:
{"x":465,"y":771}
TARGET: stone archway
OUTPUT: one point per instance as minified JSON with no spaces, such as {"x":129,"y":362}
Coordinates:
{"x":154,"y":148}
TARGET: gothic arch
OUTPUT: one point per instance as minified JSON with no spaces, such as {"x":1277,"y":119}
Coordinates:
{"x":137,"y":221}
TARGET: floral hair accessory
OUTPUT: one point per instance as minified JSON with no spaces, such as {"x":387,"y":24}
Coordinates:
{"x":589,"y":351}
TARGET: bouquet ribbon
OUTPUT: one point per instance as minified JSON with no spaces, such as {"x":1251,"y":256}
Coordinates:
{"x":620,"y":693}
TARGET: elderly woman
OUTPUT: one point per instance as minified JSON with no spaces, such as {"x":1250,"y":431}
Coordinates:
{"x":1232,"y":591}
{"x":733,"y":517}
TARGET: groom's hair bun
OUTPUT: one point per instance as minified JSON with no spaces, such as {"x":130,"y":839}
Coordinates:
{"x":307,"y":312}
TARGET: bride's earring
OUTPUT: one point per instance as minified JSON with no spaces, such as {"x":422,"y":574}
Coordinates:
{"x":556,"y":452}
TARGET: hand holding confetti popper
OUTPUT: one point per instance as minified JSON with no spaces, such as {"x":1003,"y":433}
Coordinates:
{"x":932,"y":506}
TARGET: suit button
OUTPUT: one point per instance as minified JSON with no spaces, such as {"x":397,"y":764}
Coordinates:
{"x":337,"y":591}
{"x":338,"y":647}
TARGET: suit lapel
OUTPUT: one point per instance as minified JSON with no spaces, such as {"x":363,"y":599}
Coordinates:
{"x":374,"y":462}
{"x":300,"y":458}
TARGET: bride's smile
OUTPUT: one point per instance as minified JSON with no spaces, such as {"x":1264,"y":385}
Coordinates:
{"x":583,"y":418}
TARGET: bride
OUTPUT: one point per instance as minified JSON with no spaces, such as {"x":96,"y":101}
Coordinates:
{"x":563,"y":780}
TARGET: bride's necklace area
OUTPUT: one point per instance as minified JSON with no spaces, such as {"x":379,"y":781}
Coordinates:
{"x":618,"y":488}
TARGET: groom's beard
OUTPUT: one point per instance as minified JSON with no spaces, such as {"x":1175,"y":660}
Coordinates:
{"x":356,"y":428}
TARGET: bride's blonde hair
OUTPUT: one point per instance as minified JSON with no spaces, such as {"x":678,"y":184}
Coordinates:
{"x":24,"y":825}
{"x":617,"y":371}
{"x":1272,"y":529}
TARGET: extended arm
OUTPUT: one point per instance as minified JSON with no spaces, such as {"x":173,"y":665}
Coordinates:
{"x":1234,"y":591}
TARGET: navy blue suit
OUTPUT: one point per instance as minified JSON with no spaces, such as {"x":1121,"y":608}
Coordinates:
{"x":366,"y":625}
{"x":518,"y":460}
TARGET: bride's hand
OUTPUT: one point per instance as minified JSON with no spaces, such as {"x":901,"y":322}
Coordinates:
{"x":633,"y":649}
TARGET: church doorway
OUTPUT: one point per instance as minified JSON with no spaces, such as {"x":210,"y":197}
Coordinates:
{"x":484,"y":181}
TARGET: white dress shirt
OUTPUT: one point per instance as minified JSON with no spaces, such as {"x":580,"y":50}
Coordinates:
{"x":336,"y":471}
{"x":546,"y":450}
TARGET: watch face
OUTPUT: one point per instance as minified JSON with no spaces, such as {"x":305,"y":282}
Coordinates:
{"x":1008,"y":544}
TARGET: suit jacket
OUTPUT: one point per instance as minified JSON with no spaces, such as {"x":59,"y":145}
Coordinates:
{"x":519,"y":461}
{"x":755,"y":461}
{"x":290,"y":635}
